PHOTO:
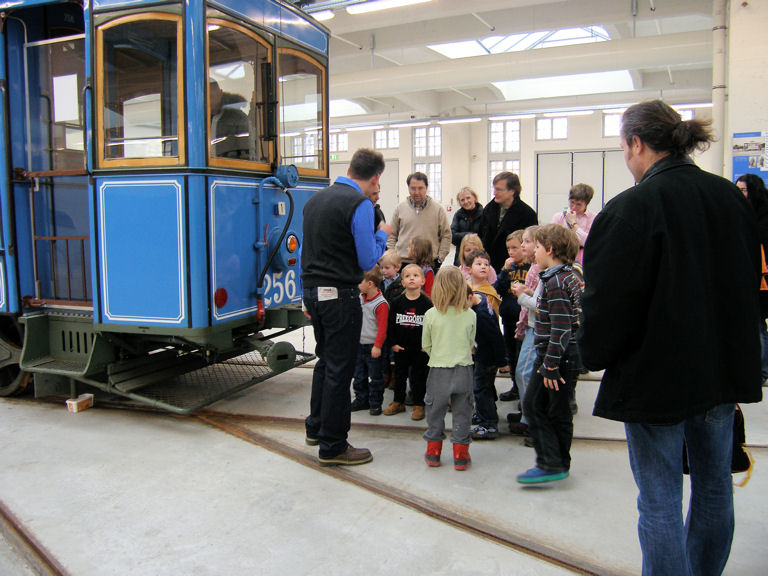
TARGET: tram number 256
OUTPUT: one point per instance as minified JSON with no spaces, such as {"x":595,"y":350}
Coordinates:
{"x":280,"y":290}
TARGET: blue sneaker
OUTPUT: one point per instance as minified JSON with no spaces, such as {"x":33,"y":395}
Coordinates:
{"x":538,"y":476}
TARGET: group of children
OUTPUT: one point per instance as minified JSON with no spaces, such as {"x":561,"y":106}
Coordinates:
{"x":450,"y":347}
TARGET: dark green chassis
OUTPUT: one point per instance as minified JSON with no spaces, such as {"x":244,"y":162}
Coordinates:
{"x":179,"y":370}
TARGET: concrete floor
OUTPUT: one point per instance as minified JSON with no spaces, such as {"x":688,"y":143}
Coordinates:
{"x":117,"y":492}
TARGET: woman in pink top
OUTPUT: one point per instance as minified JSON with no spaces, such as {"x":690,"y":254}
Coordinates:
{"x":577,"y":217}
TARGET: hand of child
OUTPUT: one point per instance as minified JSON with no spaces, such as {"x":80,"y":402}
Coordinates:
{"x":475,"y":299}
{"x":504,"y":369}
{"x":397,"y":348}
{"x":516,"y":288}
{"x":508,"y":263}
{"x":375,"y":352}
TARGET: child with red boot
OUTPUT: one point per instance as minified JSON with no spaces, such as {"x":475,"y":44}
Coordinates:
{"x":448,"y":335}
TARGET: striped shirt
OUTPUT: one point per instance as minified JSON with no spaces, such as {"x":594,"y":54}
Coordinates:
{"x":557,"y":315}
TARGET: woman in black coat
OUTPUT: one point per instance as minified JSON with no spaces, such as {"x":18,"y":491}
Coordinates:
{"x":467,"y":218}
{"x":753,"y":188}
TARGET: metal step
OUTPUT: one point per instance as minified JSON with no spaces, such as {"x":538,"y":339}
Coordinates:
{"x":199,"y":388}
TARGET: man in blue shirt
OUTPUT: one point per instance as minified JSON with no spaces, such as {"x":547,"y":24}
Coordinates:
{"x":339,"y":245}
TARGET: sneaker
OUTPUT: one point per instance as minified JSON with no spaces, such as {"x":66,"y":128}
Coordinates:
{"x":408,"y":398}
{"x":350,"y":457}
{"x":418,"y":413}
{"x":359,"y":404}
{"x":518,"y":428}
{"x":509,"y":395}
{"x":484,"y":433}
{"x":375,"y":411}
{"x":310,"y":440}
{"x":394,"y":408}
{"x":538,"y":476}
{"x":513,"y":417}
{"x":475,"y":419}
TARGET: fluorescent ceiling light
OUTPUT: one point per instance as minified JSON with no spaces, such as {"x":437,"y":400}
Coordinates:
{"x":454,"y":50}
{"x":689,"y":106}
{"x":323,"y":15}
{"x":343,"y":107}
{"x":515,"y":117}
{"x":409,"y":124}
{"x":363,"y":128}
{"x":571,"y":85}
{"x":563,"y":114}
{"x":376,"y":5}
{"x":459,"y":120}
{"x":615,"y":111}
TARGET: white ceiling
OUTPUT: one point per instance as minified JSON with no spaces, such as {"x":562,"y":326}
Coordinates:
{"x":381,"y":61}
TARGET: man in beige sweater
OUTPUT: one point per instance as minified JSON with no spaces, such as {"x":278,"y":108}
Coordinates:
{"x":420,"y":215}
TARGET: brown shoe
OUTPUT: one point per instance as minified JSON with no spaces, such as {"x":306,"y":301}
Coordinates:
{"x":394,"y":408}
{"x":350,"y":457}
{"x":418,"y":413}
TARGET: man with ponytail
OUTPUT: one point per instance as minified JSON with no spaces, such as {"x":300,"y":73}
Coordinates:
{"x":677,"y":352}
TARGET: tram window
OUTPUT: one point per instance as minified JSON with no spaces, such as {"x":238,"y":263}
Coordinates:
{"x":302,"y":97}
{"x":55,"y":82}
{"x":237,"y":95}
{"x":139,"y":89}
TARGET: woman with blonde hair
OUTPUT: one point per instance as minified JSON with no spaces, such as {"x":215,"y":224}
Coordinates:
{"x":467,"y":218}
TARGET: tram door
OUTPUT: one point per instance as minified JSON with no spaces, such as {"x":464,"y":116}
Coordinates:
{"x":56,"y":170}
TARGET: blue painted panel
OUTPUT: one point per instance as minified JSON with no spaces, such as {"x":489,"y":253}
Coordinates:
{"x":142,"y":247}
{"x":198,"y":253}
{"x":301,"y":29}
{"x":5,"y":208}
{"x":234,"y":260}
{"x":112,"y":4}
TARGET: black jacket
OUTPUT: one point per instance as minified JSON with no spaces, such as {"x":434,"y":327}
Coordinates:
{"x":494,"y":235}
{"x":675,"y":336}
{"x":464,"y":223}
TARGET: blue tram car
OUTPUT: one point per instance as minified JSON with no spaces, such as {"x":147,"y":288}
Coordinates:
{"x":157,"y":156}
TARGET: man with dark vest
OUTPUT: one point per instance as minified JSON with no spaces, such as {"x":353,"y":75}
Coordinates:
{"x":339,"y":245}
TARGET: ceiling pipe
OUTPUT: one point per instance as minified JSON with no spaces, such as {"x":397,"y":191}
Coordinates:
{"x":689,"y":48}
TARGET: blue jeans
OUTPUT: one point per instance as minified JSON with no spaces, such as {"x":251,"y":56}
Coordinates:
{"x":764,"y":348}
{"x":484,"y":388}
{"x":524,"y":371}
{"x":701,"y":545}
{"x":369,"y":382}
{"x":335,"y":323}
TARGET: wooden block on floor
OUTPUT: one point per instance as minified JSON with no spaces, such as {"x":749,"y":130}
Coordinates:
{"x":82,"y":402}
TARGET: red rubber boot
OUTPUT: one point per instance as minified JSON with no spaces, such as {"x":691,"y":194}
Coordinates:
{"x":461,"y":459}
{"x":432,"y":457}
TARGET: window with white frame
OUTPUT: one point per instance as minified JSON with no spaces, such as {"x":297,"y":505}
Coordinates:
{"x":338,"y":142}
{"x":304,"y":147}
{"x":504,"y":136}
{"x":497,"y":166}
{"x":686,"y":114}
{"x":434,"y":171}
{"x":611,"y":125}
{"x":552,"y":128}
{"x":387,"y":138}
{"x":427,"y":154}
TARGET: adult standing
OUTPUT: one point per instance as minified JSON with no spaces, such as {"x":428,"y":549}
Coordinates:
{"x":677,"y":351}
{"x":577,"y":217}
{"x":339,"y":244}
{"x":420,"y":215}
{"x":503,"y":216}
{"x":467,"y":218}
{"x":753,"y":188}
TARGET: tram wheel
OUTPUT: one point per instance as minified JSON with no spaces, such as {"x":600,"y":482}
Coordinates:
{"x":13,"y":380}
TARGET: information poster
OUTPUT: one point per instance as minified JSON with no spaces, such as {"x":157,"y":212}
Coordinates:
{"x":749,"y":154}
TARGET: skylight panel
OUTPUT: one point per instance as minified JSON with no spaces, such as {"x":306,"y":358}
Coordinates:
{"x":464,"y":49}
{"x":571,"y":85}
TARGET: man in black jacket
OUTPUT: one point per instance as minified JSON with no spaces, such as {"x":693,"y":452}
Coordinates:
{"x":503,"y":216}
{"x":678,"y":348}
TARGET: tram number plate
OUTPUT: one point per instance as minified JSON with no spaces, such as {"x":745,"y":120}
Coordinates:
{"x":280,"y":288}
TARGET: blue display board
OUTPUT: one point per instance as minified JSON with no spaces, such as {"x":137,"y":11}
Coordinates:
{"x":749,"y":154}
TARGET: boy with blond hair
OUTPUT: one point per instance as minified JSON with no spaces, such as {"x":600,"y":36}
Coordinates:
{"x":406,"y":318}
{"x":368,"y":382}
{"x":391,"y":287}
{"x":546,"y":406}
